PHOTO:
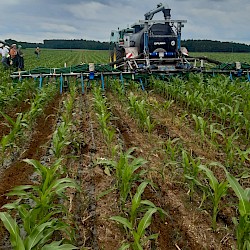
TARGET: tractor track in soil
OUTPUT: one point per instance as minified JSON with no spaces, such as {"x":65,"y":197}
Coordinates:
{"x":19,"y":172}
{"x":188,"y":228}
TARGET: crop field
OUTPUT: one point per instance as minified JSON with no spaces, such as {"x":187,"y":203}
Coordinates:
{"x":163,"y":168}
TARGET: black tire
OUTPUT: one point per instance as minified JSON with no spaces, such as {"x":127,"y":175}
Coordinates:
{"x":111,"y":56}
{"x":119,"y":53}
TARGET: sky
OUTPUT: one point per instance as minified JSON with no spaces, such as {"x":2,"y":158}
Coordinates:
{"x":36,"y":20}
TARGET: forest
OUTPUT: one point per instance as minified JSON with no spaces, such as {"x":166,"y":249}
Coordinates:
{"x":192,"y":45}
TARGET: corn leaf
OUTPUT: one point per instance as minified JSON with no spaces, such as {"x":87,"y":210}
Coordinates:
{"x":213,"y":181}
{"x":123,"y":221}
{"x":56,"y":245}
{"x":145,"y":221}
{"x":244,"y":205}
{"x":8,"y":118}
{"x":137,"y":199}
{"x":36,"y":235}
{"x":11,"y":225}
{"x":124,"y":246}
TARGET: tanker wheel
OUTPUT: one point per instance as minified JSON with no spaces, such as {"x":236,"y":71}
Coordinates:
{"x":111,"y":56}
{"x":119,"y":53}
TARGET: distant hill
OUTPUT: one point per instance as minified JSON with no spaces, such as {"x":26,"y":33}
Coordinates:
{"x":192,"y":45}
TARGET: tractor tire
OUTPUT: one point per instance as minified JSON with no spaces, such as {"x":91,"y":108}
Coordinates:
{"x":119,"y":53}
{"x":111,"y":56}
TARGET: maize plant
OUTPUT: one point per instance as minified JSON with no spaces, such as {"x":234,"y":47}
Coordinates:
{"x":103,"y":116}
{"x":172,"y":148}
{"x":39,"y":237}
{"x":200,"y":125}
{"x":126,"y":172}
{"x":216,"y":191}
{"x":214,"y":132}
{"x":191,"y":168}
{"x":38,"y":209}
{"x":242,"y":223}
{"x":139,"y":110}
{"x":60,"y":139}
{"x":8,"y":141}
{"x":136,"y":227}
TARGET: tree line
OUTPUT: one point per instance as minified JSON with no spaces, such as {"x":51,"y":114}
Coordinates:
{"x":191,"y":45}
{"x":214,"y":46}
{"x":64,"y":44}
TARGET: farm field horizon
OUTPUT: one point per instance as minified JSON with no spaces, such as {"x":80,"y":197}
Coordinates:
{"x":53,"y":57}
{"x":158,"y":165}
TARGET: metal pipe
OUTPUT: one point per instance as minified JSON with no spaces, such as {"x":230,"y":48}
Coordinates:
{"x":40,"y":82}
{"x":102,"y":79}
{"x":61,"y":83}
{"x":82,"y":83}
{"x":142,"y":86}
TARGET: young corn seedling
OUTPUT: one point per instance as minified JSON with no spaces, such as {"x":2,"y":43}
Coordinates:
{"x":200,"y":125}
{"x":167,"y":104}
{"x":119,"y":88}
{"x":191,"y":172}
{"x":172,"y":148}
{"x":243,"y":154}
{"x":37,"y":208}
{"x":229,"y":146}
{"x":45,"y":194}
{"x":8,"y":141}
{"x":39,"y":238}
{"x":103,"y":116}
{"x":214,"y":133}
{"x":134,"y":227}
{"x":126,"y":174}
{"x":139,"y":110}
{"x":216,"y":192}
{"x":60,"y":139}
{"x":242,"y":224}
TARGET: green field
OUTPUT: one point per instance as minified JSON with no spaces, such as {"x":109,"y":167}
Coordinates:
{"x":225,"y":57}
{"x":167,"y":167}
{"x":57,"y":58}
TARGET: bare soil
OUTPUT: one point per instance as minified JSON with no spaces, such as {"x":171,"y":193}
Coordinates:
{"x":186,"y":227}
{"x":19,"y":172}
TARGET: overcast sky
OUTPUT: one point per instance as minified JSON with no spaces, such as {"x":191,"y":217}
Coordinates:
{"x":36,"y":20}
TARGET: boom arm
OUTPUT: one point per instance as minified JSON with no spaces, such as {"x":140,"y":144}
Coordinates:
{"x":160,"y":7}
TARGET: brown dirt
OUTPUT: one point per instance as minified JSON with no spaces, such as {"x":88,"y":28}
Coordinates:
{"x":96,"y":230}
{"x":19,"y":172}
{"x":185,"y":228}
{"x":188,"y":228}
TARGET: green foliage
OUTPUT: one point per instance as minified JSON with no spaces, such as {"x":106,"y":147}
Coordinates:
{"x":140,"y":110}
{"x":191,"y":168}
{"x":242,"y":224}
{"x":126,"y":172}
{"x":37,"y":238}
{"x":216,"y":192}
{"x":37,"y":207}
{"x":137,"y":228}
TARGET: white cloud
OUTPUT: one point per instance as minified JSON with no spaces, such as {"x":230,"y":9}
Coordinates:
{"x":57,"y":28}
{"x":35,"y":20}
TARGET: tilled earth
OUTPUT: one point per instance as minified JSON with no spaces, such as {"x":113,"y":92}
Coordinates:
{"x":186,"y":227}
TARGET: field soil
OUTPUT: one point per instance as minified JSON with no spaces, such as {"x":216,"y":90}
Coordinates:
{"x":19,"y":172}
{"x":186,"y":227}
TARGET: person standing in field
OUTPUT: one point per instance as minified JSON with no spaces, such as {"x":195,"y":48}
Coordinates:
{"x":5,"y":55}
{"x":20,"y":58}
{"x":37,"y":52}
{"x":13,"y":56}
